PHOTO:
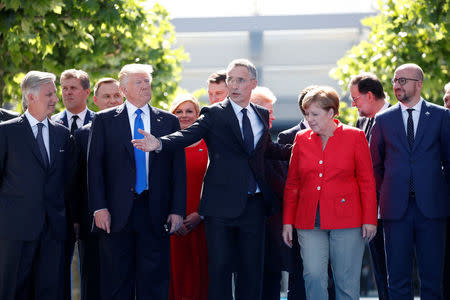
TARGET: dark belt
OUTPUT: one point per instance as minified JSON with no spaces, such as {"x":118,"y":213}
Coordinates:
{"x":255,"y":195}
{"x":142,"y":195}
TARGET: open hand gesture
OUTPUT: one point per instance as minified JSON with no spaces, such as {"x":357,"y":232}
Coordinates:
{"x":148,"y":143}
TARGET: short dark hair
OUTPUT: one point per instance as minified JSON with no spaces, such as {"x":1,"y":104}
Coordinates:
{"x":217,"y":77}
{"x":368,"y":82}
{"x":102,"y":81}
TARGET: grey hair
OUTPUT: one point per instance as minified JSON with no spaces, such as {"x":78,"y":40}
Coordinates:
{"x":447,"y":87}
{"x":242,"y":62}
{"x":31,"y":84}
{"x":133,"y":69}
{"x":265,"y":93}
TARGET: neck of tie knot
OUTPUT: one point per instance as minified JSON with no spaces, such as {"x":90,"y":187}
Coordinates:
{"x":138,"y":112}
{"x":244,"y":111}
{"x":40,"y":125}
{"x":74,"y":125}
{"x":410,"y":110}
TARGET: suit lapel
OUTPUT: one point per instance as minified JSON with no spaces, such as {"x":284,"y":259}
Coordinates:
{"x":88,"y":117}
{"x":64,"y":120}
{"x":265,"y":125}
{"x":233,"y":122}
{"x":124,"y":129}
{"x":28,"y":133}
{"x":52,"y":143}
{"x":401,"y":132}
{"x":156,"y":130}
{"x":423,"y":123}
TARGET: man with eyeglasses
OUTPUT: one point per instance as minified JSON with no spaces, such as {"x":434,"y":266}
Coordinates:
{"x":410,"y":147}
{"x":368,"y":97}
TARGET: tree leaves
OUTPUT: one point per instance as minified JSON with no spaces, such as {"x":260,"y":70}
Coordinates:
{"x":404,"y":31}
{"x":97,"y":36}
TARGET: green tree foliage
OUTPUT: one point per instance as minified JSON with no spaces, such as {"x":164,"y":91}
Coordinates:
{"x":404,"y":31}
{"x":98,"y":36}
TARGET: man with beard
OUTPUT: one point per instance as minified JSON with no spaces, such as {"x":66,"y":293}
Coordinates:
{"x":410,"y":147}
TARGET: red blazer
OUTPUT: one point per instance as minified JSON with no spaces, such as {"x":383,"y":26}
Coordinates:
{"x":340,"y":179}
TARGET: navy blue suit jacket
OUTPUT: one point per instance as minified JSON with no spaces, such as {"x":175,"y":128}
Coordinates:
{"x":112,"y":174}
{"x":61,"y":118}
{"x":28,"y":191}
{"x":428,"y":161}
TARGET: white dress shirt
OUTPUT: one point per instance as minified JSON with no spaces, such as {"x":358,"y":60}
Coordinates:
{"x":80,"y":120}
{"x":145,"y":116}
{"x":415,"y":115}
{"x":45,"y":133}
{"x":255,"y":122}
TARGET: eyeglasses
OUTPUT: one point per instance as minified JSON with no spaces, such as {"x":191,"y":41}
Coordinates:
{"x":402,"y":80}
{"x":354,"y":100}
{"x":238,"y":80}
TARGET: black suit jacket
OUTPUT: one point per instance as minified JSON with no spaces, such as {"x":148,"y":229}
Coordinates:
{"x":226,"y":180}
{"x":288,"y":136}
{"x":7,"y":115}
{"x":112,"y":174}
{"x":61,"y":118}
{"x":82,"y":214}
{"x":28,"y":191}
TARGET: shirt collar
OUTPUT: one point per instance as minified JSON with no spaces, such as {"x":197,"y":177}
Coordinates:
{"x":416,"y":107}
{"x":237,"y":108}
{"x":131,"y":109}
{"x":81,"y":115}
{"x":33,"y":121}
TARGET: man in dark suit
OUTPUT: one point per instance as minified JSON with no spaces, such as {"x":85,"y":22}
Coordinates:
{"x":133,"y":194}
{"x":410,"y":147}
{"x":35,"y":154}
{"x":75,"y":86}
{"x":368,"y":96}
{"x":106,"y":95}
{"x":7,"y":115}
{"x":236,"y":197}
{"x":277,"y":256}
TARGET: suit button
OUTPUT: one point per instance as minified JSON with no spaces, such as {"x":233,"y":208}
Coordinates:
{"x":320,"y":162}
{"x":132,"y":189}
{"x":320,"y":174}
{"x":343,"y":200}
{"x":318,"y":188}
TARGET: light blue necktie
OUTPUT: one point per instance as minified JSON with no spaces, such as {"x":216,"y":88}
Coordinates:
{"x":139,"y":155}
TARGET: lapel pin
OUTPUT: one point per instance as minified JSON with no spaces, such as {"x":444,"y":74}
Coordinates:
{"x":427,"y":114}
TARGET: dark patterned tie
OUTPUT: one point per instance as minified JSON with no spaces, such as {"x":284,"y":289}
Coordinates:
{"x":41,"y":145}
{"x":410,"y":135}
{"x":74,"y":125}
{"x":249,"y":144}
{"x":410,"y":128}
{"x":368,"y":127}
